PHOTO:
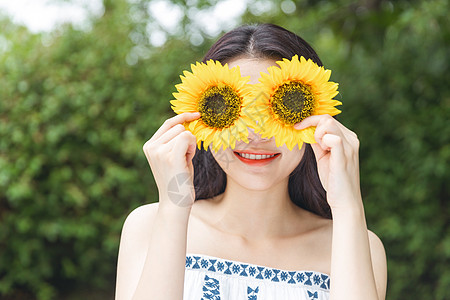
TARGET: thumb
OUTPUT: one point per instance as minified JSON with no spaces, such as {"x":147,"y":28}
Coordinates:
{"x":319,"y":152}
{"x":190,"y":153}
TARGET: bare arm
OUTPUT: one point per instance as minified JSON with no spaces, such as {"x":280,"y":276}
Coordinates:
{"x":358,"y":262}
{"x":153,"y":244}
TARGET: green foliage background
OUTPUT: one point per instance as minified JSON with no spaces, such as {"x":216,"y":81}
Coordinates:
{"x":76,"y":107}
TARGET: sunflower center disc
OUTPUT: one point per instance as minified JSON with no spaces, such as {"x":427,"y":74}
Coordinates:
{"x":292,"y":102}
{"x":219,"y":106}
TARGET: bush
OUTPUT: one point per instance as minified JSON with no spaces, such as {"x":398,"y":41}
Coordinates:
{"x":73,"y":118}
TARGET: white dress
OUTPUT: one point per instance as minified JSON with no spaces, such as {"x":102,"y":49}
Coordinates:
{"x":214,"y":278}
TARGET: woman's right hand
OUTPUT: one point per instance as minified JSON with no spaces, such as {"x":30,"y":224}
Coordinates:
{"x":169,"y":153}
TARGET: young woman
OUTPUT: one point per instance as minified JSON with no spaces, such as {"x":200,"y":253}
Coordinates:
{"x":288,"y":227}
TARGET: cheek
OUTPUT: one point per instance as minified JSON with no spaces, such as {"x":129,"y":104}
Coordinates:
{"x":292,"y":158}
{"x":224,"y":158}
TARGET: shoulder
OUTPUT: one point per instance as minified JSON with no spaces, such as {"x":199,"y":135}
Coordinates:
{"x":375,"y":242}
{"x":376,"y":248}
{"x":137,"y":227}
{"x":140,"y":219}
{"x":135,"y":238}
{"x":142,"y":213}
{"x":133,"y":247}
{"x":378,"y":255}
{"x":136,"y":230}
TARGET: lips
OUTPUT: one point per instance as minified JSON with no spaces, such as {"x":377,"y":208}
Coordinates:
{"x":256,"y":157}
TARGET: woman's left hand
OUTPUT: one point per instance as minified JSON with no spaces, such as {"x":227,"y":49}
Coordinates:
{"x":336,"y":151}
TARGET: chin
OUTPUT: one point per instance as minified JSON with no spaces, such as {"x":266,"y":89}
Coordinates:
{"x":255,"y":182}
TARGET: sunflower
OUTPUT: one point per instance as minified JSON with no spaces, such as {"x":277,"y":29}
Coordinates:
{"x":287,"y":94}
{"x":220,"y":94}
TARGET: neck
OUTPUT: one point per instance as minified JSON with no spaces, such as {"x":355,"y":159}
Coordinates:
{"x":255,"y":214}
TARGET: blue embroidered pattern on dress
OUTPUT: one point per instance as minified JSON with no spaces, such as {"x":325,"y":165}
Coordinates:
{"x":252,"y":293}
{"x":222,"y":266}
{"x":313,"y":295}
{"x":211,"y":289}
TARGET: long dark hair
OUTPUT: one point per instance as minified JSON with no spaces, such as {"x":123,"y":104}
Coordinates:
{"x":263,"y":41}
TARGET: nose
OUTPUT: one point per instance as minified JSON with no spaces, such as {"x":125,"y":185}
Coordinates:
{"x":256,"y":137}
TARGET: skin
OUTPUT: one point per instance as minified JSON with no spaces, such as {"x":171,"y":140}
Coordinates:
{"x":156,"y":237}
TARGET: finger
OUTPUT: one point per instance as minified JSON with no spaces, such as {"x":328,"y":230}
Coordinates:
{"x":320,"y":119}
{"x":163,"y":143}
{"x":308,"y":122}
{"x":183,"y":145}
{"x":170,"y":134}
{"x":326,"y":131}
{"x":319,"y":152}
{"x":316,"y":120}
{"x":329,"y":125}
{"x":324,"y":124}
{"x":335,"y":144}
{"x":318,"y":135}
{"x":179,"y":119}
{"x":191,"y":152}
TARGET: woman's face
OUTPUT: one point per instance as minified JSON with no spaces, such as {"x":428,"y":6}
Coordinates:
{"x":260,"y":164}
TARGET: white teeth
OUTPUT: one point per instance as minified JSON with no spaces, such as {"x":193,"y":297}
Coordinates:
{"x":255,"y":156}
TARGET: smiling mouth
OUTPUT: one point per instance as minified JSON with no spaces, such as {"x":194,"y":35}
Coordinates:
{"x":255,"y":158}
